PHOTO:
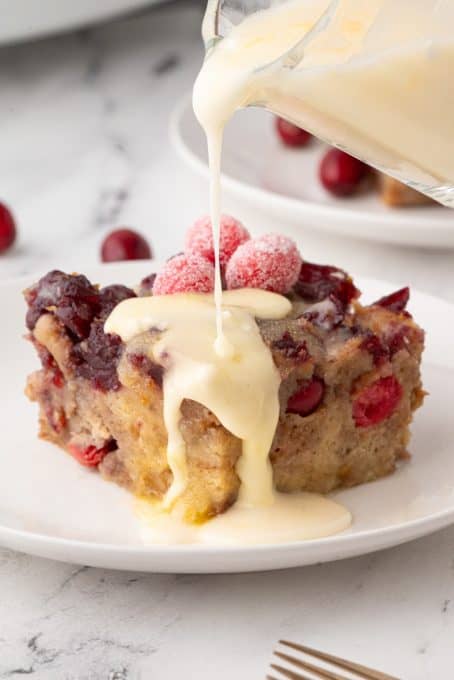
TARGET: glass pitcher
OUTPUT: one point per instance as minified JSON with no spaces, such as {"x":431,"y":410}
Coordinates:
{"x":373,"y":77}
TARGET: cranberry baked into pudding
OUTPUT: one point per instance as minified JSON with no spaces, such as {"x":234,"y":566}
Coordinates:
{"x":348,"y":376}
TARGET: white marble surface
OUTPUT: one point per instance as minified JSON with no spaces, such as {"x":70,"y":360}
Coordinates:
{"x":84,"y":147}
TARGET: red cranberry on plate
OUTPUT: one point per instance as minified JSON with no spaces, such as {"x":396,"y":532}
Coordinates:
{"x":7,"y":228}
{"x":341,"y":173}
{"x":290,"y":134}
{"x":125,"y":244}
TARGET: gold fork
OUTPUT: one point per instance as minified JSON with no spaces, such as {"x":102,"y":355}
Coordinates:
{"x":361,"y":672}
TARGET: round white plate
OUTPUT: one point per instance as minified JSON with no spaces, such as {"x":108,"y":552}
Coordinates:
{"x":25,"y":19}
{"x":52,"y":507}
{"x":280,"y":188}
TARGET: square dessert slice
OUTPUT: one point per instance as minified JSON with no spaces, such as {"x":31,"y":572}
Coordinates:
{"x":350,"y":382}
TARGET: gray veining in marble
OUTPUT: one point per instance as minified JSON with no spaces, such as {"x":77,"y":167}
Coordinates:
{"x":84,"y":147}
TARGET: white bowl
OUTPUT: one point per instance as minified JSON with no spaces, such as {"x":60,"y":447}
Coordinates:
{"x":277,"y":188}
{"x":26,"y":19}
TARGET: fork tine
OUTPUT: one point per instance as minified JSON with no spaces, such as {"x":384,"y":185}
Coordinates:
{"x":359,"y":669}
{"x":319,"y":672}
{"x":291,"y":675}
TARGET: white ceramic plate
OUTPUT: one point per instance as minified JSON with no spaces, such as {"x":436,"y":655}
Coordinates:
{"x":280,"y":188}
{"x":52,"y":507}
{"x":26,"y":19}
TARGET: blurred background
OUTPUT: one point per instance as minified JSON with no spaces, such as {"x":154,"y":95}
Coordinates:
{"x":96,"y":133}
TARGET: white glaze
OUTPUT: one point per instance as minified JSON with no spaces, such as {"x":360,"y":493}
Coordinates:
{"x":241,"y":388}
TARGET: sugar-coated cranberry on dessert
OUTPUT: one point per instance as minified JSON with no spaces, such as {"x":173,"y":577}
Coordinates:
{"x":395,"y":302}
{"x":376,"y":402}
{"x":7,"y":228}
{"x":90,"y":456}
{"x":271,"y":262}
{"x":307,"y":398}
{"x":199,"y":238}
{"x":318,"y":281}
{"x":341,"y":173}
{"x":185,"y":274}
{"x":290,"y":134}
{"x":125,"y":244}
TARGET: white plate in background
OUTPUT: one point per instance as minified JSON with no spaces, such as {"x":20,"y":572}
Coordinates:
{"x":52,"y":507}
{"x":278,"y":186}
{"x":27,"y":19}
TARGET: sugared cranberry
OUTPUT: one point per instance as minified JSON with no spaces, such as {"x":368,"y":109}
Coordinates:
{"x":327,"y":314}
{"x":375,"y":347}
{"x":317,"y":281}
{"x":72,"y":298}
{"x":96,"y":358}
{"x":290,"y":134}
{"x":376,"y":402}
{"x":90,"y":456}
{"x":290,"y":348}
{"x":271,"y":262}
{"x":7,"y":228}
{"x":341,"y":173}
{"x":150,"y":368}
{"x":185,"y":274}
{"x":307,"y":398}
{"x":111,"y":296}
{"x":199,"y":239}
{"x":125,"y":244}
{"x":395,"y":302}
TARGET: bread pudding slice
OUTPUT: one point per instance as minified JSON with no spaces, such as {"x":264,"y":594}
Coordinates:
{"x":350,"y":382}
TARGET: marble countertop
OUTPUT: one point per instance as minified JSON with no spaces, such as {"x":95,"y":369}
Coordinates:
{"x":83,"y":134}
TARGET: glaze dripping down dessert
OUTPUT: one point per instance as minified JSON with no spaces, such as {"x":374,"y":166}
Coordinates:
{"x":316,"y":394}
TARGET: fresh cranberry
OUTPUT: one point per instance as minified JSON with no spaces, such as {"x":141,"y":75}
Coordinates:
{"x":376,"y":402}
{"x":307,"y":398}
{"x":125,"y":244}
{"x":395,"y":302}
{"x":317,"y":281}
{"x":270,"y":262}
{"x":290,"y":348}
{"x":90,"y":456}
{"x":72,"y":298}
{"x":375,"y":347}
{"x":7,"y":228}
{"x":341,"y":173}
{"x":290,"y":134}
